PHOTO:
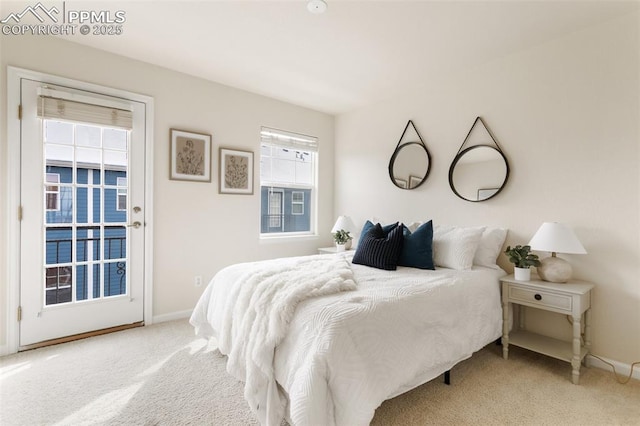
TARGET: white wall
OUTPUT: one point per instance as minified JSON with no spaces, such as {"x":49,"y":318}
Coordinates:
{"x":566,"y":115}
{"x":197,"y":230}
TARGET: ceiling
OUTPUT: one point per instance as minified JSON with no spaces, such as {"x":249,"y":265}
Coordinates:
{"x":357,"y":52}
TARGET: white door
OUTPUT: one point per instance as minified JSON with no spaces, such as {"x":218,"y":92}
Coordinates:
{"x":82,"y":199}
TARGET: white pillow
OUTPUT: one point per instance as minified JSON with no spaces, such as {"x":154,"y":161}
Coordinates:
{"x":490,"y":247}
{"x":454,"y":247}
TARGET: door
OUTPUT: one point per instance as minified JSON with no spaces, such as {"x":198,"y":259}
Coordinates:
{"x":82,"y":201}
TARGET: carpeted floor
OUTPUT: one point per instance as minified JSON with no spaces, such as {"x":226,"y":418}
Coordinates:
{"x":163,"y":375}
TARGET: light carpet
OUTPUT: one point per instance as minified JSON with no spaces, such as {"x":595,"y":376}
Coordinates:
{"x":164,"y":375}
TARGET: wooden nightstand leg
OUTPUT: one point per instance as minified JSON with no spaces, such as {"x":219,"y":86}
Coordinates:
{"x":505,"y":329}
{"x":575,"y":361}
{"x":587,"y":335}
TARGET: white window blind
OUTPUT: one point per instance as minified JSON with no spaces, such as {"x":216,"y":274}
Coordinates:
{"x":291,"y":140}
{"x":64,"y":109}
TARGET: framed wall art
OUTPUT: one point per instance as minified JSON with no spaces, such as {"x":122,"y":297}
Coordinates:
{"x":190,"y":156}
{"x":236,"y":171}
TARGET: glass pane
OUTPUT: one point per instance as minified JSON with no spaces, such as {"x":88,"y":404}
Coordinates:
{"x":115,"y":278}
{"x":59,"y":174}
{"x":82,"y":201}
{"x":58,"y":154}
{"x":283,"y":170}
{"x":96,"y":177}
{"x":88,"y":136}
{"x":82,"y":283}
{"x":58,"y":285}
{"x":58,"y":132}
{"x":87,"y":243}
{"x":64,"y":213}
{"x":111,"y":213}
{"x":88,"y":157}
{"x":115,"y":177}
{"x":115,"y":139}
{"x":58,"y":245}
{"x":82,"y":176}
{"x":115,"y":242}
{"x":304,"y":172}
{"x":97,"y":218}
{"x":115,"y":158}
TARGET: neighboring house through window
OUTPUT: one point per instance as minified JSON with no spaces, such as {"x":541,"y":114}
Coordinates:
{"x":121,"y":202}
{"x":288,"y":182}
{"x":52,"y":192}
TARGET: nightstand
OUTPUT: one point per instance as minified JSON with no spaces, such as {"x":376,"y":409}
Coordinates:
{"x":572,"y":298}
{"x":327,"y":250}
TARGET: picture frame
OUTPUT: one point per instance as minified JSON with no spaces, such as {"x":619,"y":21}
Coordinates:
{"x":236,"y":171}
{"x":190,"y":156}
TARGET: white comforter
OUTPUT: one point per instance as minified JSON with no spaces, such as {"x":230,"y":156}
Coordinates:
{"x":343,"y":354}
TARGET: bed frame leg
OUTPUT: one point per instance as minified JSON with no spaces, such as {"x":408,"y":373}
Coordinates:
{"x":447,"y":377}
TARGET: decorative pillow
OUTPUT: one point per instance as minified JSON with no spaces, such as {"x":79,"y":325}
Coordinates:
{"x":490,"y":247}
{"x":417,"y":249}
{"x":368,"y":225}
{"x":379,"y":250}
{"x":454,"y":247}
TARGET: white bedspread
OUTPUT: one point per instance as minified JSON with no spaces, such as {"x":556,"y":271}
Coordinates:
{"x":344,"y":354}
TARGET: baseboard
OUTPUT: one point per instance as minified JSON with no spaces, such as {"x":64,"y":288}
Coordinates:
{"x":622,"y":369}
{"x":174,"y":316}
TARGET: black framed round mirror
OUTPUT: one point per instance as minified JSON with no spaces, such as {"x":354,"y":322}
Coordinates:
{"x":410,"y":165}
{"x":478,"y":173}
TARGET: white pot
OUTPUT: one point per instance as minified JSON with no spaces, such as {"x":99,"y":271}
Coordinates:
{"x":522,"y":274}
{"x":340,"y":247}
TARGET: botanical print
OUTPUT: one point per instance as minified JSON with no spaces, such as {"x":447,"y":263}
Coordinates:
{"x":236,"y":174}
{"x":190,"y":157}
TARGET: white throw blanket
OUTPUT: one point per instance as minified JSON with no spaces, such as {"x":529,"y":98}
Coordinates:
{"x":256,"y":319}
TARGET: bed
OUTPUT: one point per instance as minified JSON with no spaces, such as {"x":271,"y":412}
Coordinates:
{"x":329,"y":352}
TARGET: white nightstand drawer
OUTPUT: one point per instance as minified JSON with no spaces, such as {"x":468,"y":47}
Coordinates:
{"x":541,"y":298}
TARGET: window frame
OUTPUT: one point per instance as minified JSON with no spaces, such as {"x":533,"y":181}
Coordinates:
{"x":304,"y":144}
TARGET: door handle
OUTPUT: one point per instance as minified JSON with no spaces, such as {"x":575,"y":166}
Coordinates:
{"x":135,"y":224}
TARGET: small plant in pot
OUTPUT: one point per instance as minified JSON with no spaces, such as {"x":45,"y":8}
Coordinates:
{"x":523,"y":259}
{"x":342,"y":238}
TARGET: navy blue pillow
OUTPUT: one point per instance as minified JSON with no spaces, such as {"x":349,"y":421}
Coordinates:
{"x":368,"y":225}
{"x":417,"y":248}
{"x":378,"y":250}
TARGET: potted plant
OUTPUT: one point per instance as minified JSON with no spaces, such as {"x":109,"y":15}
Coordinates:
{"x":341,"y":237}
{"x":523,"y":259}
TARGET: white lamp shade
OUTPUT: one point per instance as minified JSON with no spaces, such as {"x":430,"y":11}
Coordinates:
{"x":556,"y":238}
{"x":345,"y":223}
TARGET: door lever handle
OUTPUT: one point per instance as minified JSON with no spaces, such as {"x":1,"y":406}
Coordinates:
{"x":135,"y":224}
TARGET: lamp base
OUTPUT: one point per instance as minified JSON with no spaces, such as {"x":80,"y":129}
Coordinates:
{"x":555,"y":270}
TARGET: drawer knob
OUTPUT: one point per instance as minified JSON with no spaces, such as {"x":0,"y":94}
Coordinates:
{"x":538,"y":297}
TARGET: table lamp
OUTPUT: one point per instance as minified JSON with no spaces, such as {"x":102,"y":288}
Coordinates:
{"x":555,"y":238}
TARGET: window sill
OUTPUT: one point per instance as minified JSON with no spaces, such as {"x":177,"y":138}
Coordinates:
{"x":276,"y":239}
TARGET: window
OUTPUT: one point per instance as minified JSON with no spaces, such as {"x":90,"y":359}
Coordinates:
{"x":275,"y":209}
{"x":52,"y":192}
{"x":297,"y":202}
{"x":121,"y":202}
{"x":288,"y":164}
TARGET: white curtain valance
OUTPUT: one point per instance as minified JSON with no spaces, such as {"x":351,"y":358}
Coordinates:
{"x":63,"y":109}
{"x":286,"y":139}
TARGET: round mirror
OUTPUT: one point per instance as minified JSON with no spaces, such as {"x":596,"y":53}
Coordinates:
{"x":478,"y":173}
{"x":409,"y":165}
